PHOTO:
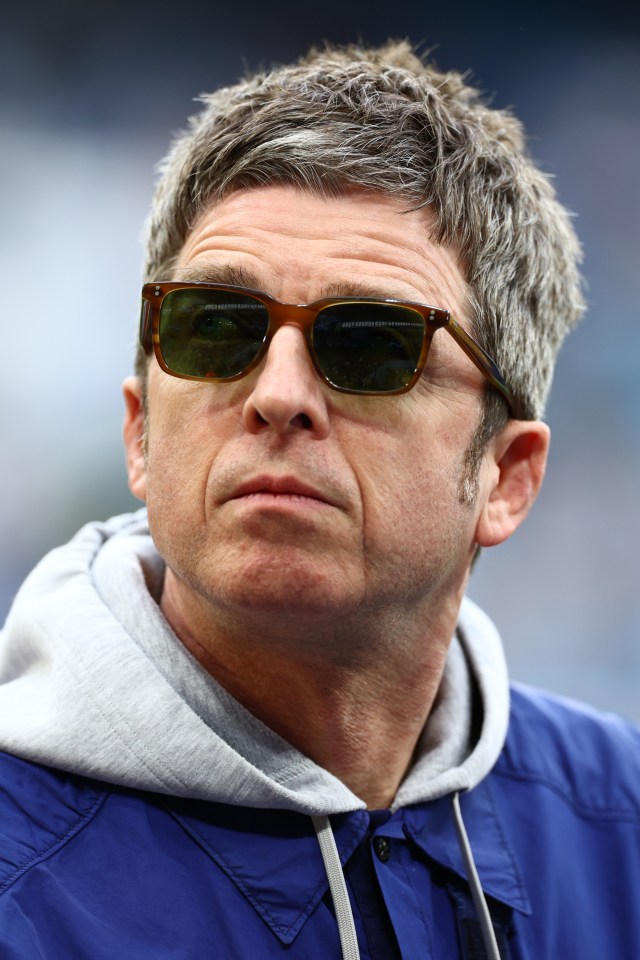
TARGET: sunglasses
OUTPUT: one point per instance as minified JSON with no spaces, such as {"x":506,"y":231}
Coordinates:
{"x":207,"y":331}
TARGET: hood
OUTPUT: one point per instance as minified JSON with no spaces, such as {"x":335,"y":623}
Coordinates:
{"x":94,"y":681}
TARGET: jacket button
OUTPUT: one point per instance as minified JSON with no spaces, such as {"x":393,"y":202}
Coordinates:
{"x":382,"y":849}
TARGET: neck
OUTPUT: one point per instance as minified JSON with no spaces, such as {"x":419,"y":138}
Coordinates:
{"x":353,"y":700}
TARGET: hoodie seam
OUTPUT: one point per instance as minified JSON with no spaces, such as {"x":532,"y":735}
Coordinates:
{"x":291,"y":771}
{"x":57,"y":845}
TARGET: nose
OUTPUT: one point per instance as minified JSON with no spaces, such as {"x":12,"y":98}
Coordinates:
{"x":287,"y":395}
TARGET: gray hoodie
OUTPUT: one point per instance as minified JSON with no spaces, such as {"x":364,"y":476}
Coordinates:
{"x":94,"y":681}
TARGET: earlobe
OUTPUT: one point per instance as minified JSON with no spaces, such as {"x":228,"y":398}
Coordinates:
{"x":519,"y":453}
{"x":133,"y":433}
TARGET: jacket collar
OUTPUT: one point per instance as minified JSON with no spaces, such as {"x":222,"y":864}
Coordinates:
{"x":431,"y":827}
{"x":273,"y":857}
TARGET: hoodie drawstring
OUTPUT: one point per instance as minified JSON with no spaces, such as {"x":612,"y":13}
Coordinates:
{"x":477,"y":894}
{"x":340,"y":895}
{"x":338,"y":887}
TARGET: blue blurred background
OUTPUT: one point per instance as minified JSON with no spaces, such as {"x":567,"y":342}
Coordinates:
{"x":89,"y":93}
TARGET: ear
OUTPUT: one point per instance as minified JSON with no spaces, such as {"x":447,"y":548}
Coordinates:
{"x":133,"y":432}
{"x":518,"y":455}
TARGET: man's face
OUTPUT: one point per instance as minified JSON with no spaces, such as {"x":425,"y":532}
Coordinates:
{"x":277,"y":494}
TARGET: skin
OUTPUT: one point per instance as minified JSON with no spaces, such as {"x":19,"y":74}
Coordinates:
{"x":317,"y":551}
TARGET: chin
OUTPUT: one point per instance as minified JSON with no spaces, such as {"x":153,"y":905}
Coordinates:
{"x":292,"y":587}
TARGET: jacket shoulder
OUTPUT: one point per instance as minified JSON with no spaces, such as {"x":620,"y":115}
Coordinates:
{"x":591,"y":759}
{"x":41,"y":809}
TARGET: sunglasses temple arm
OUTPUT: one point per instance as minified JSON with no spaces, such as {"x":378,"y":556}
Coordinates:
{"x":483,"y":362}
{"x":145,"y":327}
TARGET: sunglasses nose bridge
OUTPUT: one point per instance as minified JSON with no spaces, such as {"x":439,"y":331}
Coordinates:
{"x":296,"y":315}
{"x":293,"y":315}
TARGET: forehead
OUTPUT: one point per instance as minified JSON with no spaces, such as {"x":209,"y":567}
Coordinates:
{"x":299,"y":247}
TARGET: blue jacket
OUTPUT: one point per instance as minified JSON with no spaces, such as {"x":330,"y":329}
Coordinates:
{"x":90,"y":870}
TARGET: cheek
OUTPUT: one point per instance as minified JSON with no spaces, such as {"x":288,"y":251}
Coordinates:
{"x":178,"y":467}
{"x":412,"y":515}
{"x":403,"y":488}
{"x":175,"y":493}
{"x":184,"y":437}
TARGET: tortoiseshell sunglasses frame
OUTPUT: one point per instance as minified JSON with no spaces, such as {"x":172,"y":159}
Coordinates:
{"x":303,"y":316}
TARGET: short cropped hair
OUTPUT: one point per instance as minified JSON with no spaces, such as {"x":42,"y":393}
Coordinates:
{"x":384,"y":120}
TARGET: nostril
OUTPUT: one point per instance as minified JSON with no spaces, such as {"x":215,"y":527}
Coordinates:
{"x":302,"y":420}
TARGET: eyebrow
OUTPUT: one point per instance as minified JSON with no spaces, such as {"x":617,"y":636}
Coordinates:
{"x":223,"y":273}
{"x":356,"y":288}
{"x":237,"y":276}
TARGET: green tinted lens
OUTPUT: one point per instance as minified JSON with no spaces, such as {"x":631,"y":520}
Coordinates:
{"x":368,"y":347}
{"x":213,"y":334}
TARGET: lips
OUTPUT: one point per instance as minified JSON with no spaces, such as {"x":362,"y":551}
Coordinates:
{"x":280,"y":486}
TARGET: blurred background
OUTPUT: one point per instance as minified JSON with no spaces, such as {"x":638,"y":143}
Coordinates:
{"x":89,"y":94}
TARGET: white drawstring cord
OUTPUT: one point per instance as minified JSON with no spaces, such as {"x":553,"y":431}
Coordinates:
{"x":342,"y":904}
{"x":479,"y":902}
{"x":338,"y":887}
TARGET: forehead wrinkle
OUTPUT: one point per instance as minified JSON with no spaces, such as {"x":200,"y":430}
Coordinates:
{"x":238,"y":276}
{"x":437,"y":280}
{"x":432,"y":275}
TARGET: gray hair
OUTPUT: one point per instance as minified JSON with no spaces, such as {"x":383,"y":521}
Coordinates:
{"x":383,"y":120}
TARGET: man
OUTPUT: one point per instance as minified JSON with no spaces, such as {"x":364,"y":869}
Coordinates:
{"x":268,"y":723}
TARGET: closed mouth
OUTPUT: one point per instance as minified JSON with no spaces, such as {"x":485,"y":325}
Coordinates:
{"x":287,"y":488}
